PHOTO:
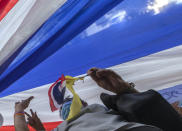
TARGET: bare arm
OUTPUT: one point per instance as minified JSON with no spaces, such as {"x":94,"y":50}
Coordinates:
{"x":20,"y":123}
{"x":111,"y":81}
{"x":19,"y":116}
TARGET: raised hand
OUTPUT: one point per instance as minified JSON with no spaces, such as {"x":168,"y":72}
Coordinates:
{"x":21,"y":106}
{"x":34,"y":121}
{"x":110,"y":81}
{"x":177,"y":107}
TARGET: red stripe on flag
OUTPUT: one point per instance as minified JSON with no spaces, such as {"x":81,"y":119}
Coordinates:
{"x":48,"y":126}
{"x":6,"y":6}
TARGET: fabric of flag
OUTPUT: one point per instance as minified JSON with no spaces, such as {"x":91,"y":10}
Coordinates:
{"x":56,"y":94}
{"x":6,"y":6}
{"x":76,"y":104}
{"x":140,"y":40}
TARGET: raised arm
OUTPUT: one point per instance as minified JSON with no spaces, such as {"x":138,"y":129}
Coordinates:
{"x":111,"y":81}
{"x":19,"y":116}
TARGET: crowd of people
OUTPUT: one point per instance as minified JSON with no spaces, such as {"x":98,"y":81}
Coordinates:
{"x":126,"y":110}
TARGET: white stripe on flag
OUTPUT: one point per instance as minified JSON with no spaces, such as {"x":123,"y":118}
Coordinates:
{"x":13,"y":20}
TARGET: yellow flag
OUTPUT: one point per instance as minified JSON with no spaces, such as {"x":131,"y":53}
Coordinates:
{"x":76,"y":102}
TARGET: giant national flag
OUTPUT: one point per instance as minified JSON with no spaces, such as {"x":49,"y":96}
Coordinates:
{"x":141,"y":40}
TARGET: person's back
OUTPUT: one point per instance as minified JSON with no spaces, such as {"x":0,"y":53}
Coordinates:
{"x":96,"y":117}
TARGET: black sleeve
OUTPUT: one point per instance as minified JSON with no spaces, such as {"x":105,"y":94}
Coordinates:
{"x":147,"y":107}
{"x":144,"y":128}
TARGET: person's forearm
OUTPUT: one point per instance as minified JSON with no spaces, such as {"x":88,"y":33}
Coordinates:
{"x":20,"y":123}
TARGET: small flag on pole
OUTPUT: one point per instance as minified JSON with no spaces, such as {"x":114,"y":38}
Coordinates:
{"x":56,"y":93}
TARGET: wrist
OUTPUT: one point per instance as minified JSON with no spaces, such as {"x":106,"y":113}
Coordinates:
{"x":129,"y":88}
{"x":19,"y":110}
{"x":19,"y":114}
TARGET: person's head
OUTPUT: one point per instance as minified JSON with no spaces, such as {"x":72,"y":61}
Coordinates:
{"x":1,"y":120}
{"x":65,"y":108}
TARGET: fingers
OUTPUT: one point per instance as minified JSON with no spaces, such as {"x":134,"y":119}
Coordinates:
{"x":97,"y":73}
{"x":26,"y":102}
{"x":37,"y":119}
{"x":108,"y":79}
{"x":29,"y":116}
{"x":175,"y":104}
{"x":30,"y":119}
{"x":101,"y":76}
{"x":36,"y":115}
{"x":180,"y":109}
{"x":100,"y":80}
{"x":29,"y":99}
{"x":32,"y":113}
{"x":92,"y":73}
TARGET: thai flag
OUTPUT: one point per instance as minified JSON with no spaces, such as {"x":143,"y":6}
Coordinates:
{"x":142,"y":42}
{"x":56,"y":93}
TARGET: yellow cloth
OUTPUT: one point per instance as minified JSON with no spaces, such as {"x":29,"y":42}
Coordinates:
{"x":76,"y":102}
